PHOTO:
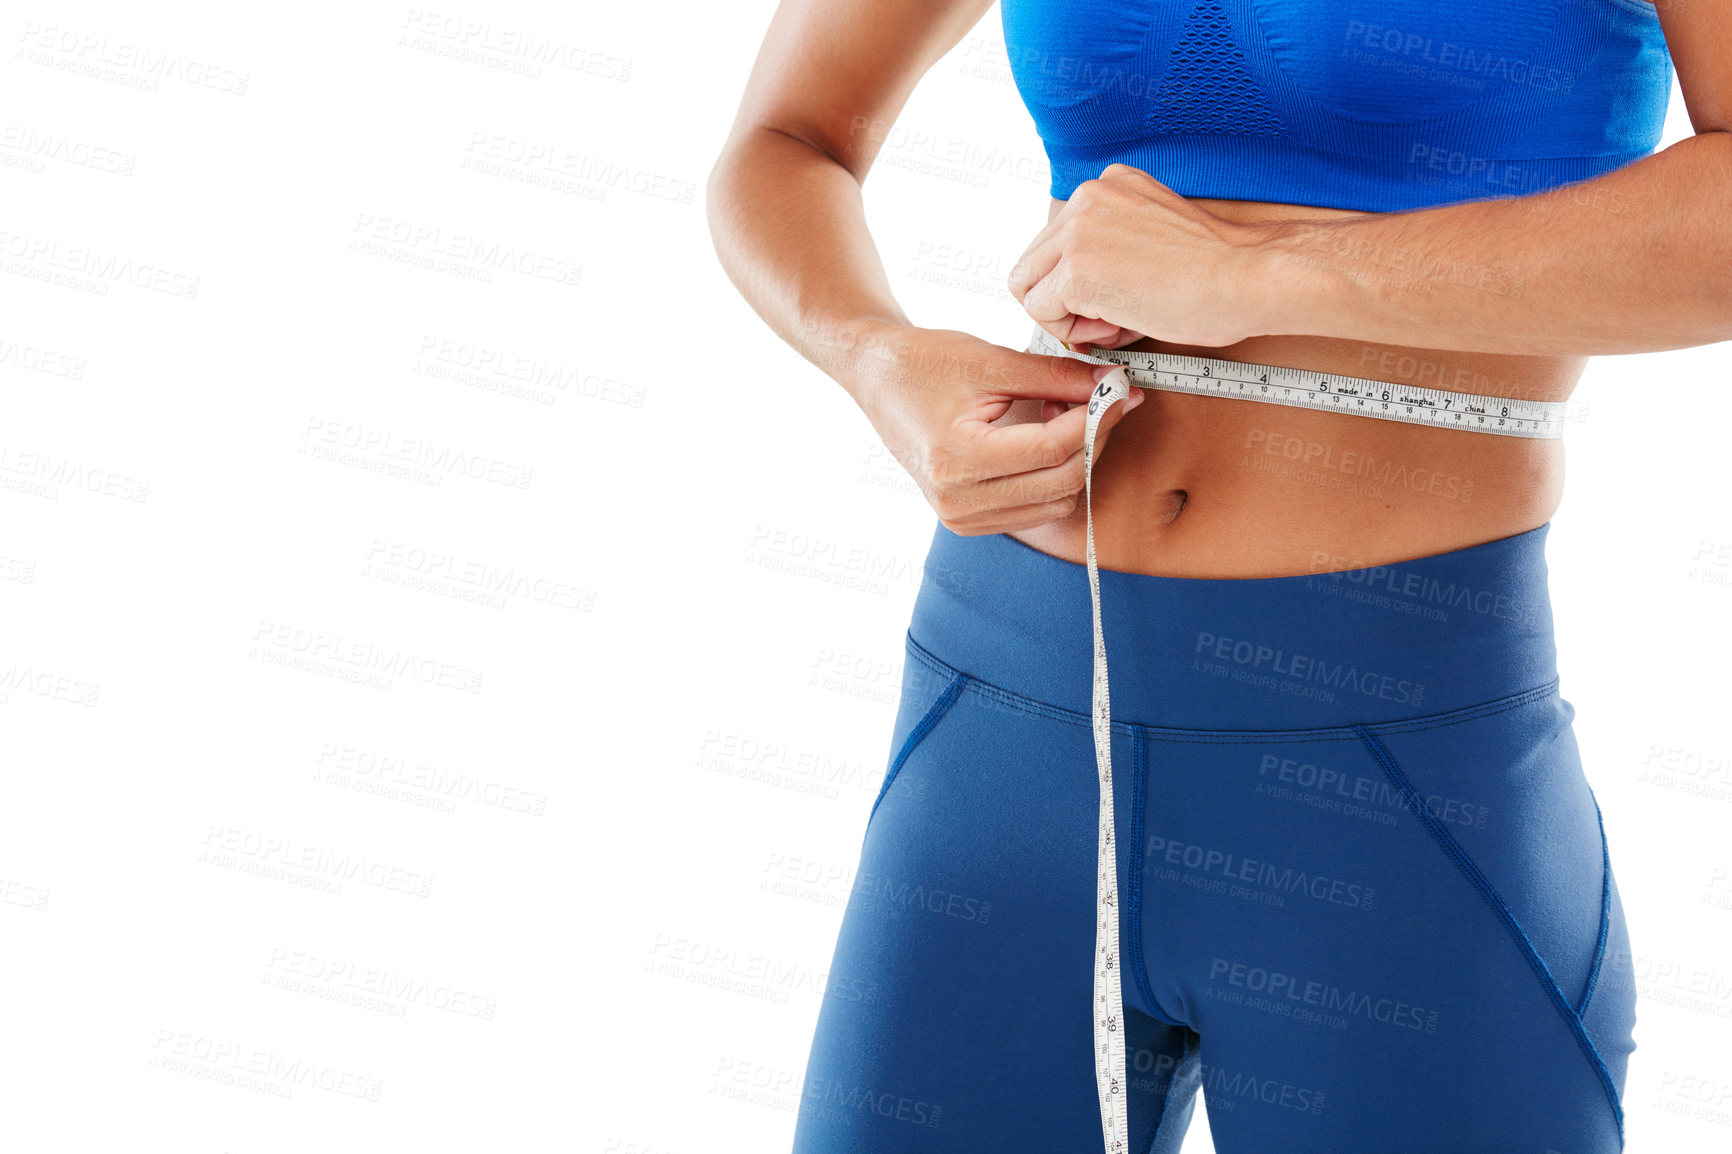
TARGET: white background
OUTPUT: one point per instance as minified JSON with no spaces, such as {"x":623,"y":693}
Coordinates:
{"x":375,"y":622}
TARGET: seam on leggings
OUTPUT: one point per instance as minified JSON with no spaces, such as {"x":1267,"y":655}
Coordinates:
{"x":1016,"y":702}
{"x":1139,"y":788}
{"x":1453,"y":849}
{"x":1605,"y":910}
{"x":933,"y":712}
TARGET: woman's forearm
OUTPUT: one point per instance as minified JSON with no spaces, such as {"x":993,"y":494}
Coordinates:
{"x":789,"y":226}
{"x":1634,"y":261}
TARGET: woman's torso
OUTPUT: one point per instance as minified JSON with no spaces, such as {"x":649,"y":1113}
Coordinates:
{"x":1199,"y":486}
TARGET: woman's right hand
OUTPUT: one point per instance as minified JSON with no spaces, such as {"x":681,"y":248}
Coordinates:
{"x":933,"y":395}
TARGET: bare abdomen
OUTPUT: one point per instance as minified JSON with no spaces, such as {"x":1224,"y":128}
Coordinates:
{"x":1196,"y":486}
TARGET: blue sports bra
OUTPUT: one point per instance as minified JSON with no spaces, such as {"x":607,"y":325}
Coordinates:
{"x":1362,"y":104}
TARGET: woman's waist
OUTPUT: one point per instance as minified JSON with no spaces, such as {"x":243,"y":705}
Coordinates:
{"x":1545,"y":379}
{"x":1191,"y":486}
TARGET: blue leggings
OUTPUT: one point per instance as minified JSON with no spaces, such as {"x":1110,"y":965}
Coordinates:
{"x":1367,"y":904}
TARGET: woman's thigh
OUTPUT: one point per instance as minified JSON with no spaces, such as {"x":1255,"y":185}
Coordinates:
{"x":1401,"y":938}
{"x":970,"y":936}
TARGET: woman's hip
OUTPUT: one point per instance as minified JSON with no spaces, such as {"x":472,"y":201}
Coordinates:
{"x":1331,"y":649}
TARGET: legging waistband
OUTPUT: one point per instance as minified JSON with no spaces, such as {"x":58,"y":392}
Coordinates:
{"x":1342,"y":647}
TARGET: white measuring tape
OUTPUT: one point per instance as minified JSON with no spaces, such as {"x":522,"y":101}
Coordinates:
{"x":1275,"y":385}
{"x":1330,"y":392}
{"x":1109,"y":997}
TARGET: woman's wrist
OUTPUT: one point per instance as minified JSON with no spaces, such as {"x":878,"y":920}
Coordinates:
{"x":858,"y":353}
{"x":1292,"y":283}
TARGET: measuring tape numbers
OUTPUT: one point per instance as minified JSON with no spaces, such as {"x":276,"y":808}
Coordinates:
{"x":1326,"y":392}
{"x":1271,"y":384}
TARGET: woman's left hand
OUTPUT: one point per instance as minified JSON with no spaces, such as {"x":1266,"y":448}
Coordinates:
{"x":1128,"y":257}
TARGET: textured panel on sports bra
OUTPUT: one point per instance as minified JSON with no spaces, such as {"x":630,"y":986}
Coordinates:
{"x":1359,"y":104}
